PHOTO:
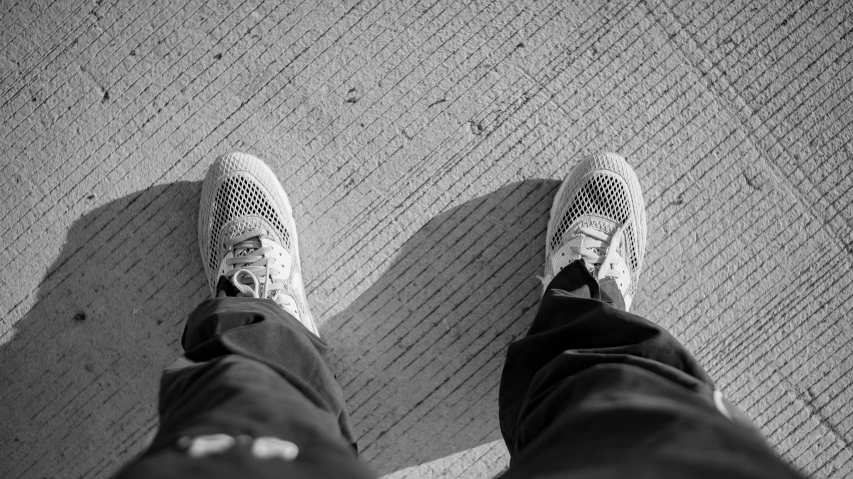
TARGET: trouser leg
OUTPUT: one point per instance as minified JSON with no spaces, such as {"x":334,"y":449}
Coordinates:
{"x":251,"y":397}
{"x":593,"y":391}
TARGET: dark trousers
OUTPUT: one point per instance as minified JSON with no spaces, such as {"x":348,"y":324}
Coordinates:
{"x":590,"y":392}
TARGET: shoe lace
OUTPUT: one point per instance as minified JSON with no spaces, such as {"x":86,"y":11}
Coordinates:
{"x":598,"y":250}
{"x":253,"y":265}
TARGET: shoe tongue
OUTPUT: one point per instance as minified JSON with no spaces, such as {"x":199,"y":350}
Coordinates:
{"x":564,"y":255}
{"x":247,"y":247}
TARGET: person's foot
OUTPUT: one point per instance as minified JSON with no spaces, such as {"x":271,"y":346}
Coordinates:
{"x":599,"y":216}
{"x":247,"y":234}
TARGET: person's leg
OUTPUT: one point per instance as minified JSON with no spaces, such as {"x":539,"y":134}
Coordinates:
{"x":595,"y":391}
{"x":252,"y":396}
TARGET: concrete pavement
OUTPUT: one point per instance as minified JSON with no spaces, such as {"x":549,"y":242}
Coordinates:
{"x":421,"y":144}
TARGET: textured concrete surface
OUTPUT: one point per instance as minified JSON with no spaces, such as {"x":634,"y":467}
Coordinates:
{"x":421,"y":143}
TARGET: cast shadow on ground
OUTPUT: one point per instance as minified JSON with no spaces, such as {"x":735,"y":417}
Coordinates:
{"x":81,"y":371}
{"x":419,"y":354}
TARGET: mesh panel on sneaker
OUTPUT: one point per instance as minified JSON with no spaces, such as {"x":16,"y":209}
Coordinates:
{"x":239,"y":197}
{"x":241,"y":194}
{"x":602,"y":195}
{"x":601,"y":187}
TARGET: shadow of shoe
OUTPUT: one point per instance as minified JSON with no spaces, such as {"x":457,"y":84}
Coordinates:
{"x":420,"y":353}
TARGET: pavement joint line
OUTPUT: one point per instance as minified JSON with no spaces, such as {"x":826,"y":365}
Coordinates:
{"x":729,"y":90}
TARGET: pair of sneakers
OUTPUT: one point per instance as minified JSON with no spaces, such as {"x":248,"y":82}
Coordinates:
{"x":247,"y":234}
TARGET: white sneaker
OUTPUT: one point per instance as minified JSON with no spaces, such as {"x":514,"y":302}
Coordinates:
{"x":599,"y":216}
{"x":247,"y":233}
